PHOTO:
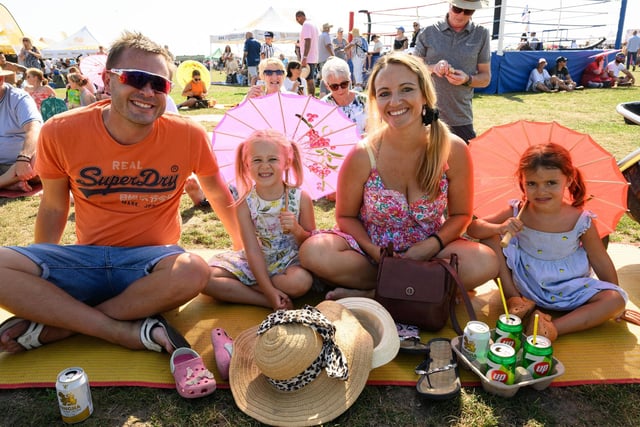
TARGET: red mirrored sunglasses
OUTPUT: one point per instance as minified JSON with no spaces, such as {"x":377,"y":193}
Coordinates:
{"x":139,"y":79}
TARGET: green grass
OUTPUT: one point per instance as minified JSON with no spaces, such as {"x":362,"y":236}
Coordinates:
{"x":590,"y":111}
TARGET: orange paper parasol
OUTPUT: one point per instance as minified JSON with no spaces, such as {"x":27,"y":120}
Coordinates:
{"x":496,"y":154}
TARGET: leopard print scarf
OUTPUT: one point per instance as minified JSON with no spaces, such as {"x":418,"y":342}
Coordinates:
{"x":330,"y":358}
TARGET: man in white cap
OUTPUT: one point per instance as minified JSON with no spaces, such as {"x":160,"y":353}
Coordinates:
{"x":266,"y":50}
{"x":458,"y":54}
{"x":540,"y":80}
{"x":20,"y":123}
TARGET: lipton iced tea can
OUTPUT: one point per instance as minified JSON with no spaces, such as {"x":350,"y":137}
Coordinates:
{"x":509,"y":331}
{"x":475,"y":342}
{"x":74,"y":395}
{"x":538,"y":357}
{"x":501,"y":363}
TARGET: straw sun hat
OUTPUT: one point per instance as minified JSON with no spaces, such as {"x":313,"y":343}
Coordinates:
{"x":301,"y":367}
{"x":5,"y":73}
{"x":304,"y":73}
{"x":470,"y":4}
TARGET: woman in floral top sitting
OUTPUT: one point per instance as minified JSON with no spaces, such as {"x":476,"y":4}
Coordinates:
{"x":409,"y":183}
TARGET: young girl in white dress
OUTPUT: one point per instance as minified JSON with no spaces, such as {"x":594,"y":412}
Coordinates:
{"x":549,"y":261}
{"x":275,"y":216}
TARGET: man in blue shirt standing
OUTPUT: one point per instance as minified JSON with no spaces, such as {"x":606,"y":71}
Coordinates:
{"x":633,"y":44}
{"x":251,"y":57}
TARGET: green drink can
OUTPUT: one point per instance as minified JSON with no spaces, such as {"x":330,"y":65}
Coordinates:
{"x":509,"y":331}
{"x":501,"y":363}
{"x":537,"y":358}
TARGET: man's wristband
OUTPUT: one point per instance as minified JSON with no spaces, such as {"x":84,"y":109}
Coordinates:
{"x":468,"y":82}
{"x":23,"y":157}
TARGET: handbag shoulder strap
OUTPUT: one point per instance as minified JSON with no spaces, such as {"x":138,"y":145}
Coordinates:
{"x":451,"y":267}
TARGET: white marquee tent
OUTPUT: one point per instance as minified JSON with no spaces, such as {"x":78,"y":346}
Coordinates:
{"x":285,"y":29}
{"x":79,"y":43}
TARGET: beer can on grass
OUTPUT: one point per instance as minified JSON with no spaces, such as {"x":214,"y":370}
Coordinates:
{"x":501,"y":363}
{"x":538,"y":357}
{"x":74,"y":395}
{"x":509,"y":331}
{"x":475,"y":341}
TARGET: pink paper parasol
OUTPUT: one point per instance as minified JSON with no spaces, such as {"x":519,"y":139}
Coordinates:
{"x":93,"y":67}
{"x":496,"y":154}
{"x":323,"y":133}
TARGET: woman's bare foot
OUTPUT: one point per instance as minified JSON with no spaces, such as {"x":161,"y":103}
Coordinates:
{"x":192,"y":188}
{"x":339,"y":293}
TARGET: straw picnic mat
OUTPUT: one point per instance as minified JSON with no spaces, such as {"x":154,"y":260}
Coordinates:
{"x":607,"y":354}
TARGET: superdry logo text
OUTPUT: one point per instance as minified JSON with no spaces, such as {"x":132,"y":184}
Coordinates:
{"x":92,"y":182}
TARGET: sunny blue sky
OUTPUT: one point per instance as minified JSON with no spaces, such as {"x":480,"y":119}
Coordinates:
{"x":165,"y":22}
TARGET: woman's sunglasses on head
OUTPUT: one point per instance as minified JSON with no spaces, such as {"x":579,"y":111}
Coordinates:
{"x":458,"y":10}
{"x":139,"y":79}
{"x":341,"y":85}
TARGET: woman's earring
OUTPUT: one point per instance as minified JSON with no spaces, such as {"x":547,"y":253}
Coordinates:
{"x":429,"y":115}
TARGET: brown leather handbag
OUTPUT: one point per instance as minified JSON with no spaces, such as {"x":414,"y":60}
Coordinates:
{"x":421,"y":293}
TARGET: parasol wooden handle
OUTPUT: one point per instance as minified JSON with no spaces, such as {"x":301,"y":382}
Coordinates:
{"x":507,"y":237}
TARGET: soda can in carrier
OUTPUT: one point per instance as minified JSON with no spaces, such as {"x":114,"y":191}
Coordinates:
{"x":475,"y":341}
{"x":501,"y":363}
{"x":538,"y":357}
{"x":74,"y":395}
{"x":509,"y":331}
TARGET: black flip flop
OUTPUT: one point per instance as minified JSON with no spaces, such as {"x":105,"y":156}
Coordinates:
{"x":409,"y":336}
{"x":175,"y":338}
{"x":439,"y":378}
{"x":413,"y":345}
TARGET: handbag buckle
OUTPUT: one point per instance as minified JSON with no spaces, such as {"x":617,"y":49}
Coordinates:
{"x":410,"y":291}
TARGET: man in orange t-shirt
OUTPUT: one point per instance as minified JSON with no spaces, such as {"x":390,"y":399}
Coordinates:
{"x":125,"y":163}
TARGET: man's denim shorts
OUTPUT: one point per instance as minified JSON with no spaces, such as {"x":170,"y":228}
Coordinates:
{"x":93,"y":274}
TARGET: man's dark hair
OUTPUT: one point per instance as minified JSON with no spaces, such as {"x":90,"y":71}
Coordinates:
{"x":135,"y":40}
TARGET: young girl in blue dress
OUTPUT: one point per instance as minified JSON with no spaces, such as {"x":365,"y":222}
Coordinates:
{"x":275,"y":216}
{"x":549,"y":261}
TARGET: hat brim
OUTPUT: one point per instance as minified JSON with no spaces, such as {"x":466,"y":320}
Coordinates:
{"x":380,"y":325}
{"x":319,"y":402}
{"x":470,"y":5}
{"x":5,"y":73}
